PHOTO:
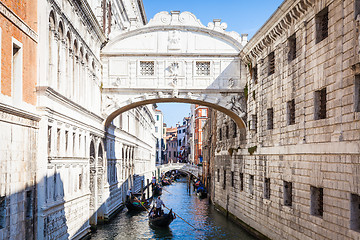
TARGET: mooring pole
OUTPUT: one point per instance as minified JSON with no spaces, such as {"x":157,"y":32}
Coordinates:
{"x":148,"y":186}
{"x":142,"y":189}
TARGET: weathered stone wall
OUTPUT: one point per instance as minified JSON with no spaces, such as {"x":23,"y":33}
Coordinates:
{"x":312,"y":152}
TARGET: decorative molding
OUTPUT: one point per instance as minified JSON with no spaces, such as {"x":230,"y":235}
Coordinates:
{"x":18,"y":22}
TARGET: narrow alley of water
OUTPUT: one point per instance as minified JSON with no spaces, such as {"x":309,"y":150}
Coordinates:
{"x":209,"y":223}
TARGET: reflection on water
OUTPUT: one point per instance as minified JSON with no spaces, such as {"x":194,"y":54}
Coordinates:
{"x":208,"y":222}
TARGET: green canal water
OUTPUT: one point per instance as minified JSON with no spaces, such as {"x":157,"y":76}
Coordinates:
{"x":210,"y":224}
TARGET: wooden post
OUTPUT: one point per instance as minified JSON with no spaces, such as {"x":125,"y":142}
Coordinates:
{"x":148,"y":186}
{"x":142,"y":190}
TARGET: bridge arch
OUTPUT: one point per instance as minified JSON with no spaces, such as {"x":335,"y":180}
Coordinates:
{"x":184,"y":167}
{"x":233,"y":107}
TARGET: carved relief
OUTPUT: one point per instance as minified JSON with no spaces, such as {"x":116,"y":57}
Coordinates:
{"x":231,"y":83}
{"x":174,"y":40}
{"x":237,"y":104}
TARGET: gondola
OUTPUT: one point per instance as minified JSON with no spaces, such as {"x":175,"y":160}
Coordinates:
{"x":157,"y":190}
{"x":133,"y":204}
{"x":161,"y":221}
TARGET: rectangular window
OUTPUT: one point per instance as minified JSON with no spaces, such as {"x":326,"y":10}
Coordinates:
{"x":316,"y":207}
{"x":287,"y":193}
{"x":16,"y":73}
{"x":267,"y":188}
{"x":251,"y":184}
{"x":224,"y":183}
{"x":292,"y":47}
{"x":220,"y":134}
{"x":357,"y":8}
{"x":80,"y":180}
{"x":234,"y":129}
{"x":232,"y":179}
{"x":270,"y":118}
{"x":271,"y":63}
{"x":204,"y":113}
{"x":253,"y":122}
{"x":241,"y":182}
{"x":147,"y":68}
{"x":29,"y":204}
{"x":157,"y":118}
{"x":203,"y":68}
{"x":320,"y":104}
{"x":58,"y":138}
{"x":169,"y":154}
{"x":2,"y":212}
{"x":291,"y":112}
{"x":156,"y":129}
{"x":49,"y":139}
{"x":66,"y":140}
{"x":357,"y":93}
{"x":255,"y":73}
{"x":355,"y":212}
{"x":174,"y":154}
{"x":227,"y":131}
{"x":321,"y":21}
{"x":218,"y":175}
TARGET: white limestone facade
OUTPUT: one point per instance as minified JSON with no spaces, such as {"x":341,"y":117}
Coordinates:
{"x":83,"y":168}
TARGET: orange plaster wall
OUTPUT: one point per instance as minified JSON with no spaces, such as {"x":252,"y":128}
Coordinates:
{"x":26,"y":11}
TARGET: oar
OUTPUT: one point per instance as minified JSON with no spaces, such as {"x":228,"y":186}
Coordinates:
{"x":181,"y":218}
{"x":166,"y":191}
{"x":141,"y":203}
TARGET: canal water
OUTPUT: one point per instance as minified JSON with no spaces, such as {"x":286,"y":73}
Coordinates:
{"x":209,"y":223}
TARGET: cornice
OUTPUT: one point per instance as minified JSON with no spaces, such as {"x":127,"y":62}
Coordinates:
{"x":282,"y":19}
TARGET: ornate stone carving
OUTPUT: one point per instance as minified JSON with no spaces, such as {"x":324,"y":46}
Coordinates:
{"x":231,"y":83}
{"x":174,"y":40}
{"x":237,"y":104}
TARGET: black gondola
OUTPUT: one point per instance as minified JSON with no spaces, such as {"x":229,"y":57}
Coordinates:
{"x":157,"y":190}
{"x":133,"y":204}
{"x":161,"y":221}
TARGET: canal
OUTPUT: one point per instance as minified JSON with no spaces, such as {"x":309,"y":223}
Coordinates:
{"x":209,"y":223}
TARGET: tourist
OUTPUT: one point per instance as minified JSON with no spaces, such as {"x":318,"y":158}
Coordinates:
{"x":129,"y":195}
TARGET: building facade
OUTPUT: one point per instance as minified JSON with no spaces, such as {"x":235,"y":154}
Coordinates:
{"x":19,"y":120}
{"x":160,"y":131}
{"x":171,"y":145}
{"x":200,"y":114}
{"x":293,"y":174}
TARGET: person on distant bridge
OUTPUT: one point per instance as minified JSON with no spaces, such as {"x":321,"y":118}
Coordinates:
{"x":158,"y":204}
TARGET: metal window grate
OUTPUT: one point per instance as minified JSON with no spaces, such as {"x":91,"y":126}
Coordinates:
{"x":321,"y":20}
{"x":320,"y":104}
{"x":146,"y":68}
{"x":270,"y":118}
{"x":292,"y":47}
{"x":291,"y":112}
{"x":267,"y":188}
{"x":203,"y":68}
{"x":241,"y":181}
{"x":271,"y":62}
{"x":317,"y":196}
{"x":287,"y":193}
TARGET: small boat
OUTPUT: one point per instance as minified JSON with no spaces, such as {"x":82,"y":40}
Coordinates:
{"x":201,"y":191}
{"x":157,"y":190}
{"x":161,"y":221}
{"x":202,"y":194}
{"x":134,"y":204}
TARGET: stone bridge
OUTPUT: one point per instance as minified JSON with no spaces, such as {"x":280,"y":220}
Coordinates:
{"x":184,"y":167}
{"x":174,"y":58}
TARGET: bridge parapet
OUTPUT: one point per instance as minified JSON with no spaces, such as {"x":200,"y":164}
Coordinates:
{"x":185,"y":167}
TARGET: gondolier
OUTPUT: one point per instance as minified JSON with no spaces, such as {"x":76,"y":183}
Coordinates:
{"x":128,"y":195}
{"x":158,"y":204}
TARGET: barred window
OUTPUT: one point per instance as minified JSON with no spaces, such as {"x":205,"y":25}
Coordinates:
{"x":292,"y":48}
{"x":234,"y":129}
{"x":357,"y":8}
{"x":321,"y":21}
{"x":287,"y":193}
{"x":357,"y":93}
{"x":291,"y":112}
{"x":251,"y":184}
{"x":320,"y":104}
{"x":253,"y":122}
{"x":203,"y":68}
{"x":271,"y":63}
{"x":232,"y":179}
{"x":255,"y":73}
{"x":218,"y":175}
{"x":355,"y":212}
{"x":224,"y":183}
{"x":147,"y":68}
{"x":270,"y":118}
{"x":267,"y":188}
{"x":241,"y":181}
{"x":227,"y":131}
{"x":29,"y":204}
{"x":316,"y":208}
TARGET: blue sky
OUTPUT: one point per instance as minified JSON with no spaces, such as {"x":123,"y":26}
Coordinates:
{"x":242,"y":16}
